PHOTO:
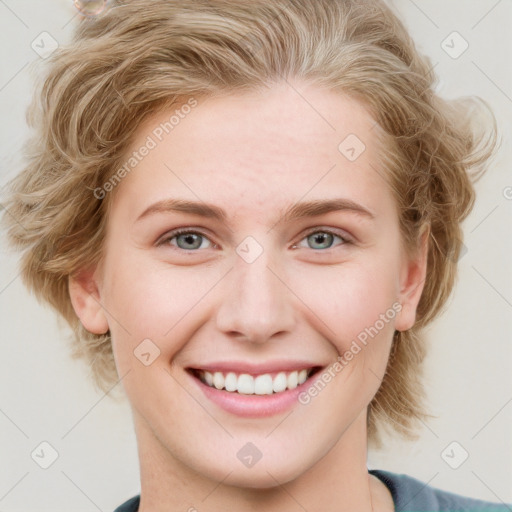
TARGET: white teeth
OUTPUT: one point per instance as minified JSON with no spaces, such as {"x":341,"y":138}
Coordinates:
{"x":218,"y":380}
{"x":246,"y":384}
{"x":260,"y":385}
{"x":293,"y":380}
{"x":280,"y":382}
{"x":263,"y":385}
{"x":231,"y":382}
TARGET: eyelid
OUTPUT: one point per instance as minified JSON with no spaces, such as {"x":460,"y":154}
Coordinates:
{"x":165,"y":239}
{"x":333,"y":231}
{"x":343,"y":235}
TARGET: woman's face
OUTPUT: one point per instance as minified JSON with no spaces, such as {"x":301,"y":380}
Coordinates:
{"x":287,"y":266}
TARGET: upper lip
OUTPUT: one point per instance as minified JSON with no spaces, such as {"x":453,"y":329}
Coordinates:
{"x":255,"y":369}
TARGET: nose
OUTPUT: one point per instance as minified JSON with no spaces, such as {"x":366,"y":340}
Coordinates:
{"x":256,"y":302}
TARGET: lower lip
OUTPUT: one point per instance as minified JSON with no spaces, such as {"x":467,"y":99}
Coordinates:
{"x":254,"y":406}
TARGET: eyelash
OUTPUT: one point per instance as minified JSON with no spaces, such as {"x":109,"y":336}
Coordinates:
{"x":177,"y":232}
{"x":344,"y":238}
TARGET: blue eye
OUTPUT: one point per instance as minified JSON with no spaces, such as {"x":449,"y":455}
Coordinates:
{"x":323,"y":239}
{"x":186,"y":240}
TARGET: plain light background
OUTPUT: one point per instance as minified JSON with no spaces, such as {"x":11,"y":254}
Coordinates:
{"x":47,"y":397}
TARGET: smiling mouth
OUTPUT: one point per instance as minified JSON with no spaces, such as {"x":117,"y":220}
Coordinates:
{"x":262,"y":384}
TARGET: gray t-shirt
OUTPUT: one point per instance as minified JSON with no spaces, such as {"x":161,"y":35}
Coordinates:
{"x":409,"y":495}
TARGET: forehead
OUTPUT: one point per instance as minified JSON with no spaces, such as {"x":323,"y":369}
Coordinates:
{"x":262,"y":148}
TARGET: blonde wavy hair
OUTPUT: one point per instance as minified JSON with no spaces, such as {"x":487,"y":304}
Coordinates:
{"x":141,"y":56}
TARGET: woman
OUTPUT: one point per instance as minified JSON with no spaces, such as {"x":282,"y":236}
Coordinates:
{"x":247,"y":212}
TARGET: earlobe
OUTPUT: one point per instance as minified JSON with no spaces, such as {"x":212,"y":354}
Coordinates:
{"x":85,"y":298}
{"x":412,"y":281}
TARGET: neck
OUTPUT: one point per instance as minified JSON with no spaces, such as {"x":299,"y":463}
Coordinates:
{"x":338,"y":482}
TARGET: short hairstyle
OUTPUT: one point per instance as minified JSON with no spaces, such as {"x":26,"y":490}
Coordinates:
{"x":141,"y":56}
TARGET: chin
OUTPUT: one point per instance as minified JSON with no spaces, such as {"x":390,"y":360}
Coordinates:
{"x":266,"y":477}
{"x":266,"y":473}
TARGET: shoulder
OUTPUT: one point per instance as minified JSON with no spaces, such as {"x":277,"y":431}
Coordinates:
{"x":410,"y":494}
{"x":132,"y":505}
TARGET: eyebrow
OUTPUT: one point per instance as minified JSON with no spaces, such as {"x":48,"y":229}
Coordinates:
{"x":297,"y":211}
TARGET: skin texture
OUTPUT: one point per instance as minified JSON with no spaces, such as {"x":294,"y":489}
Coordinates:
{"x":254,"y":155}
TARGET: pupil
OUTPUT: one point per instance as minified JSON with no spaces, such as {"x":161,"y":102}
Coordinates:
{"x":190,"y":239}
{"x":322,"y":239}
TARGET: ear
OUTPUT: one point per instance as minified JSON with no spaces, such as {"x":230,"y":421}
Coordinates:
{"x":412,"y":281}
{"x":86,"y":301}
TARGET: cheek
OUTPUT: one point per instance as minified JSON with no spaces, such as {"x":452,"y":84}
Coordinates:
{"x":354,"y":306}
{"x":355,"y":312}
{"x":350,"y":298}
{"x":146,"y":299}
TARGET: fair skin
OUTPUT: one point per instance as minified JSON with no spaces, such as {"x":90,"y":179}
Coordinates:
{"x":301,"y":302}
